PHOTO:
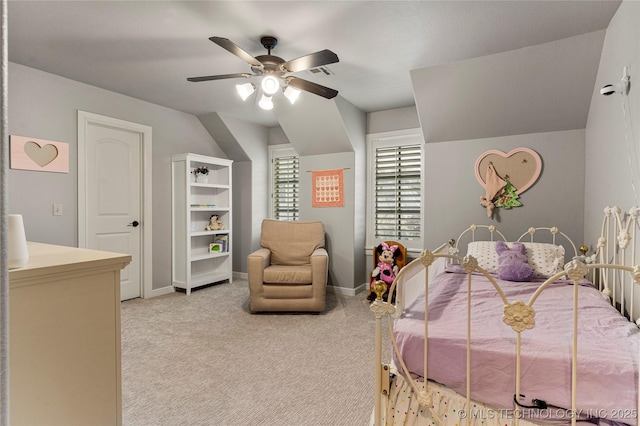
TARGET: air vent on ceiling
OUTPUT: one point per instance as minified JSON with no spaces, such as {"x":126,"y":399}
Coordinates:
{"x":321,"y":71}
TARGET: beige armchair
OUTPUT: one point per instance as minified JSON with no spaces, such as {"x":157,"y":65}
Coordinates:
{"x":289,"y":271}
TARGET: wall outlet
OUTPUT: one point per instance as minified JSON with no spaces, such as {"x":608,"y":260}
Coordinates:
{"x":57,"y":209}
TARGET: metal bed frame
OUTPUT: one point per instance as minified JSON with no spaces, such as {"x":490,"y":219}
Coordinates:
{"x":610,"y":268}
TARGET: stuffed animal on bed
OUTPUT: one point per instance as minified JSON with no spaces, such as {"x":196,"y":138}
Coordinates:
{"x":386,"y":269}
{"x":512,"y":262}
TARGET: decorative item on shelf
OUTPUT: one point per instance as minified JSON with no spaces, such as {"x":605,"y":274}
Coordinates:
{"x":223,"y":240}
{"x":215,"y":248}
{"x":201,"y":174}
{"x":215,"y":223}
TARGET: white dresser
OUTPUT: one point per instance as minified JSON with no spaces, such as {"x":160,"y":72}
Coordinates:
{"x":64,"y":331}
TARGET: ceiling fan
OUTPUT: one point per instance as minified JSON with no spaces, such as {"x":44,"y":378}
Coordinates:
{"x":275,"y":69}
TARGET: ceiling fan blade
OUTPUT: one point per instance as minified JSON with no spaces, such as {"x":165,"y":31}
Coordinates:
{"x":227,"y":44}
{"x":220,"y":77}
{"x":310,"y":87}
{"x":312,"y":60}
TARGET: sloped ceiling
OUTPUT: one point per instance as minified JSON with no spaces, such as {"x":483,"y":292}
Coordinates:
{"x":219,"y":130}
{"x":147,"y":49}
{"x":315,"y":125}
{"x":239,"y":139}
{"x":541,"y":88}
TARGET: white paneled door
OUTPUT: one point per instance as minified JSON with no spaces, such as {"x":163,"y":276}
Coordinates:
{"x":113,"y":174}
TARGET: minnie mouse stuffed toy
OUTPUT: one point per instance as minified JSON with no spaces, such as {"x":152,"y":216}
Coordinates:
{"x":386,"y":269}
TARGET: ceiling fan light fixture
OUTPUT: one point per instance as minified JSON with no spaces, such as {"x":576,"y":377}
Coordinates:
{"x":273,"y":72}
{"x":245,"y":90}
{"x":270,"y":85}
{"x":292,"y":94}
{"x":266,"y":102}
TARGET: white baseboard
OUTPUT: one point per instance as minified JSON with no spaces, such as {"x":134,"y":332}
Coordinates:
{"x":160,"y":291}
{"x":240,"y":275}
{"x":347,"y":291}
{"x":364,"y":287}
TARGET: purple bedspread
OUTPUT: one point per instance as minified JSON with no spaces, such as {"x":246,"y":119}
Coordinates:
{"x":607,"y":346}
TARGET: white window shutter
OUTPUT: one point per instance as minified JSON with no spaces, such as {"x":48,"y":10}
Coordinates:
{"x":286,"y":188}
{"x":397,"y":192}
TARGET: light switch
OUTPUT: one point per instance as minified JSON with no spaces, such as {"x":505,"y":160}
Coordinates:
{"x":57,"y":209}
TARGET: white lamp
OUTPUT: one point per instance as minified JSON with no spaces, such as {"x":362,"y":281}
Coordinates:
{"x":266,"y":103}
{"x":16,"y":242}
{"x":292,"y":94}
{"x":270,"y":85}
{"x":245,"y":90}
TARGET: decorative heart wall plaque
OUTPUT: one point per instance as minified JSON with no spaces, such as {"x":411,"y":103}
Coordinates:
{"x":42,"y":155}
{"x":521,"y":167}
{"x":38,"y":154}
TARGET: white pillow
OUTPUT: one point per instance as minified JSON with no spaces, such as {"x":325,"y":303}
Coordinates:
{"x":545,"y":259}
{"x":485,"y":253}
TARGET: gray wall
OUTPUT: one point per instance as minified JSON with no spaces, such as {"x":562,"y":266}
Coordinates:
{"x":611,"y":139}
{"x":355,"y":123}
{"x":44,"y":106}
{"x":243,"y":206}
{"x":452,"y":195}
{"x":392,"y":120}
{"x":452,"y":192}
{"x":338,"y":221}
{"x":252,"y":188}
{"x":277,"y":136}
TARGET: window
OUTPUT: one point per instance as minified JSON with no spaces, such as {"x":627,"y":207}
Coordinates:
{"x":395,"y":189}
{"x":285,"y":183}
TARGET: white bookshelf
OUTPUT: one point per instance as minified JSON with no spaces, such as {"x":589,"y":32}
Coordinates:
{"x":193,"y":203}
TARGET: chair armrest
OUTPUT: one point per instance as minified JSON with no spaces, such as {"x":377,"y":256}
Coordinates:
{"x":319,"y":267}
{"x":320,"y":252}
{"x":256,"y":264}
{"x":263,"y":254}
{"x":260,"y":258}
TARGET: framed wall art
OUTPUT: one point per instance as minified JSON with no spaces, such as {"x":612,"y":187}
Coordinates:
{"x":38,"y":155}
{"x":327,"y":188}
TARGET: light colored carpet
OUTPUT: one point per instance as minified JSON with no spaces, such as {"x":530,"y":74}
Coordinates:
{"x":204,"y":359}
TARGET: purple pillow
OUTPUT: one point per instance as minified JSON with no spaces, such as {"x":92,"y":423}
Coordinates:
{"x":512,"y":262}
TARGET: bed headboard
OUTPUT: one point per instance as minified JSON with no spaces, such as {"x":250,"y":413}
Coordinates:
{"x":532,"y":234}
{"x":458,"y":248}
{"x":617,"y":245}
{"x":554,"y":233}
{"x":469,"y":235}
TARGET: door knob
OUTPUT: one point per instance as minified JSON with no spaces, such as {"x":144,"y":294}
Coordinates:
{"x":134,"y":223}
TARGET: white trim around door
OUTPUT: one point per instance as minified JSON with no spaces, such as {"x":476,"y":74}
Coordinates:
{"x":146,"y":261}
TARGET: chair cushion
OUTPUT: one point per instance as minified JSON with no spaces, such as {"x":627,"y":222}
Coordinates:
{"x":291,"y":242}
{"x":281,"y":274}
